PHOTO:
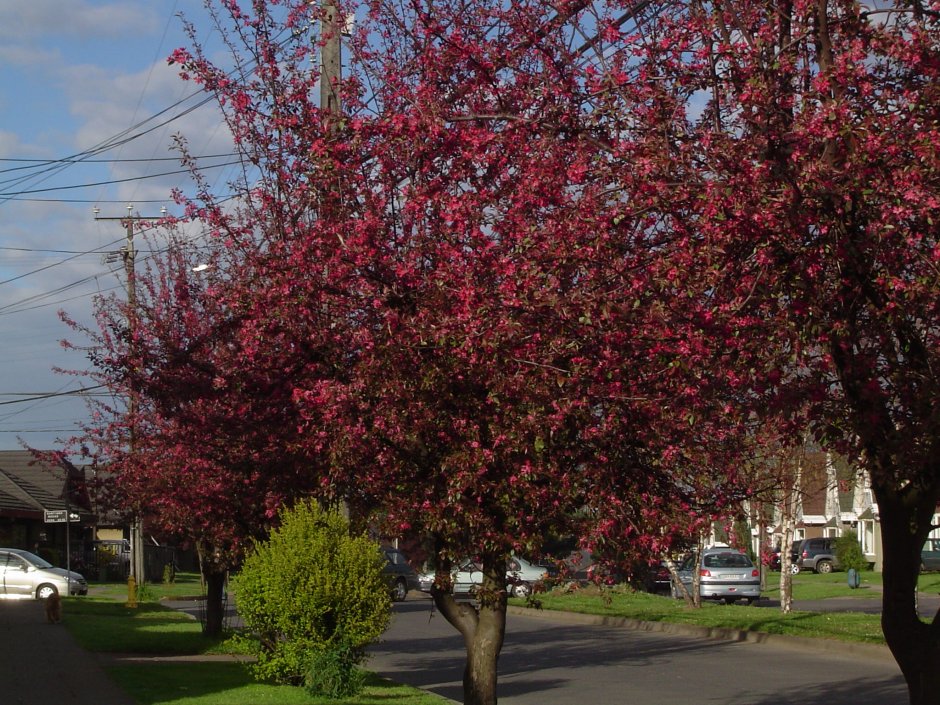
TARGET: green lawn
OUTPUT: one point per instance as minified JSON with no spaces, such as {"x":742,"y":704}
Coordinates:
{"x":230,"y":684}
{"x":185,"y":585}
{"x":843,"y":626}
{"x":106,"y":625}
{"x":622,"y":602}
{"x":102,"y":623}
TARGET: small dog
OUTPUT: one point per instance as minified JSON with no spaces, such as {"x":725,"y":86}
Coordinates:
{"x":54,"y":608}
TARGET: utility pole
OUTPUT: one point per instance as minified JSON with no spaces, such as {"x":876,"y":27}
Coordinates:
{"x":331,"y":30}
{"x":128,"y":254}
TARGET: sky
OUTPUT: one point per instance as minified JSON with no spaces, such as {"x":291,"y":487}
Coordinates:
{"x":85,"y":81}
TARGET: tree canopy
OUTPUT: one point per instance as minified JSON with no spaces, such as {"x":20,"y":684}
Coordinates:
{"x":556,"y":260}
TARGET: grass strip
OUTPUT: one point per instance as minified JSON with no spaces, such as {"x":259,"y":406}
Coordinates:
{"x":152,"y":630}
{"x":231,"y":684}
{"x":622,"y":602}
{"x":105,"y":625}
{"x":843,"y":626}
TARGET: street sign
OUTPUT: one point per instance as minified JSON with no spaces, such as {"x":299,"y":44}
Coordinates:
{"x":58,"y":516}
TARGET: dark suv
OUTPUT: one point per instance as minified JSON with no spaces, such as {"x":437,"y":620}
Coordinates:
{"x":817,"y":555}
{"x":401,"y":576}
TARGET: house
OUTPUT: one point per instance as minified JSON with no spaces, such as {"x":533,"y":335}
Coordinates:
{"x":835,"y":497}
{"x":36,"y":496}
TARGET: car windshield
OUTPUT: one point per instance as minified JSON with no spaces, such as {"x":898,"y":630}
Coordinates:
{"x":35,"y":560}
{"x":726,"y":560}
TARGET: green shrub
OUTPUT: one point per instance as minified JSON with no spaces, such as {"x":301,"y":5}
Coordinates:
{"x":849,"y":552}
{"x":311,"y":590}
{"x":333,"y":673}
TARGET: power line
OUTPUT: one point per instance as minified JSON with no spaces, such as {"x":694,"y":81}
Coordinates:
{"x":57,"y":301}
{"x":51,"y":395}
{"x":110,"y":182}
{"x":50,"y":162}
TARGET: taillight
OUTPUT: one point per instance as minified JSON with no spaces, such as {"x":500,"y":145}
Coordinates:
{"x":705,"y":573}
{"x":755,"y":573}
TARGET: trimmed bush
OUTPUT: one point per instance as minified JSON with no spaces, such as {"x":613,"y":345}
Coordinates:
{"x":849,"y":552}
{"x":312,"y":596}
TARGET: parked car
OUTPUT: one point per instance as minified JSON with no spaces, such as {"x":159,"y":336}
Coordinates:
{"x":658,"y":580}
{"x":24,"y":576}
{"x":817,"y":555}
{"x":930,"y":555}
{"x":724,"y":574}
{"x":522,"y":577}
{"x":402,"y":577}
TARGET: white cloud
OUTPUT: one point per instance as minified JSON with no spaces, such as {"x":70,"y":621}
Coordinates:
{"x":73,"y":18}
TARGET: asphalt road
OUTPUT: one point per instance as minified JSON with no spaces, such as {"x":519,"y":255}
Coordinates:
{"x":548,"y":661}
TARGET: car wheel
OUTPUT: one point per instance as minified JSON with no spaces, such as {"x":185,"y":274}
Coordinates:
{"x":399,"y":590}
{"x":824,"y":567}
{"x":794,"y":569}
{"x":521,"y":590}
{"x":45,"y":591}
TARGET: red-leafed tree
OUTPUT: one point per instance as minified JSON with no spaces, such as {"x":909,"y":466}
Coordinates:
{"x":199,"y":437}
{"x":500,"y":354}
{"x":792,"y":148}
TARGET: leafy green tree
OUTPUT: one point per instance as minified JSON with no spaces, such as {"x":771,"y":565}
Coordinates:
{"x":312,"y":594}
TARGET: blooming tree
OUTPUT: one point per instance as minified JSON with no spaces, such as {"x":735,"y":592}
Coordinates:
{"x":198,"y":438}
{"x":557,"y":256}
{"x":792,"y":148}
{"x":467,"y":309}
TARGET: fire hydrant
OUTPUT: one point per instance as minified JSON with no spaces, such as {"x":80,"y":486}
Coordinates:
{"x":131,"y":592}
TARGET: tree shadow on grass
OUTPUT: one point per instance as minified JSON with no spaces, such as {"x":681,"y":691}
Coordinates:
{"x":149,"y":628}
{"x":232,"y":684}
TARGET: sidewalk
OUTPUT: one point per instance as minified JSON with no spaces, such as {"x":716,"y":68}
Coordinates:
{"x":43,"y":665}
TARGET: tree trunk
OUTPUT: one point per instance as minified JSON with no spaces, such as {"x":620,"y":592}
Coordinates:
{"x":214,"y":572}
{"x":915,"y":644}
{"x":792,"y":487}
{"x":483,"y":628}
{"x":215,"y":602}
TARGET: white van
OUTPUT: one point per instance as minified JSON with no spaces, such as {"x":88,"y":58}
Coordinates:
{"x":24,"y":576}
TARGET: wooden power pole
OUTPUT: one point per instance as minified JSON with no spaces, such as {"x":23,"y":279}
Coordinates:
{"x":331,"y":33}
{"x":128,"y":254}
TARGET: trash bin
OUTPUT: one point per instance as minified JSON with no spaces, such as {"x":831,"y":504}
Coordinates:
{"x":854,"y":578}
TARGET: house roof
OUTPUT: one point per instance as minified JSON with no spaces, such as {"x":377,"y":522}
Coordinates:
{"x":29,"y":487}
{"x":815,"y":481}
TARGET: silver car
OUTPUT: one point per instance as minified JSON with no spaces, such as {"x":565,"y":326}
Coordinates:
{"x":24,"y":576}
{"x":724,"y":574}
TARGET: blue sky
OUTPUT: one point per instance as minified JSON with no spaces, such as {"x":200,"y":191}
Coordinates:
{"x":74,"y":75}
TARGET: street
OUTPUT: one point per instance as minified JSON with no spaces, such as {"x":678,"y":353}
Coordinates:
{"x":546,"y":661}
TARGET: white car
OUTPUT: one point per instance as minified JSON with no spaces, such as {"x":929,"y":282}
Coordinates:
{"x":521,"y":577}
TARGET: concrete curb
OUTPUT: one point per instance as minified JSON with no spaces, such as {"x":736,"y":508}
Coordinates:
{"x":830,"y":646}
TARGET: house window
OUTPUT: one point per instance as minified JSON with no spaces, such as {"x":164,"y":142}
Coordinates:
{"x":866,"y":536}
